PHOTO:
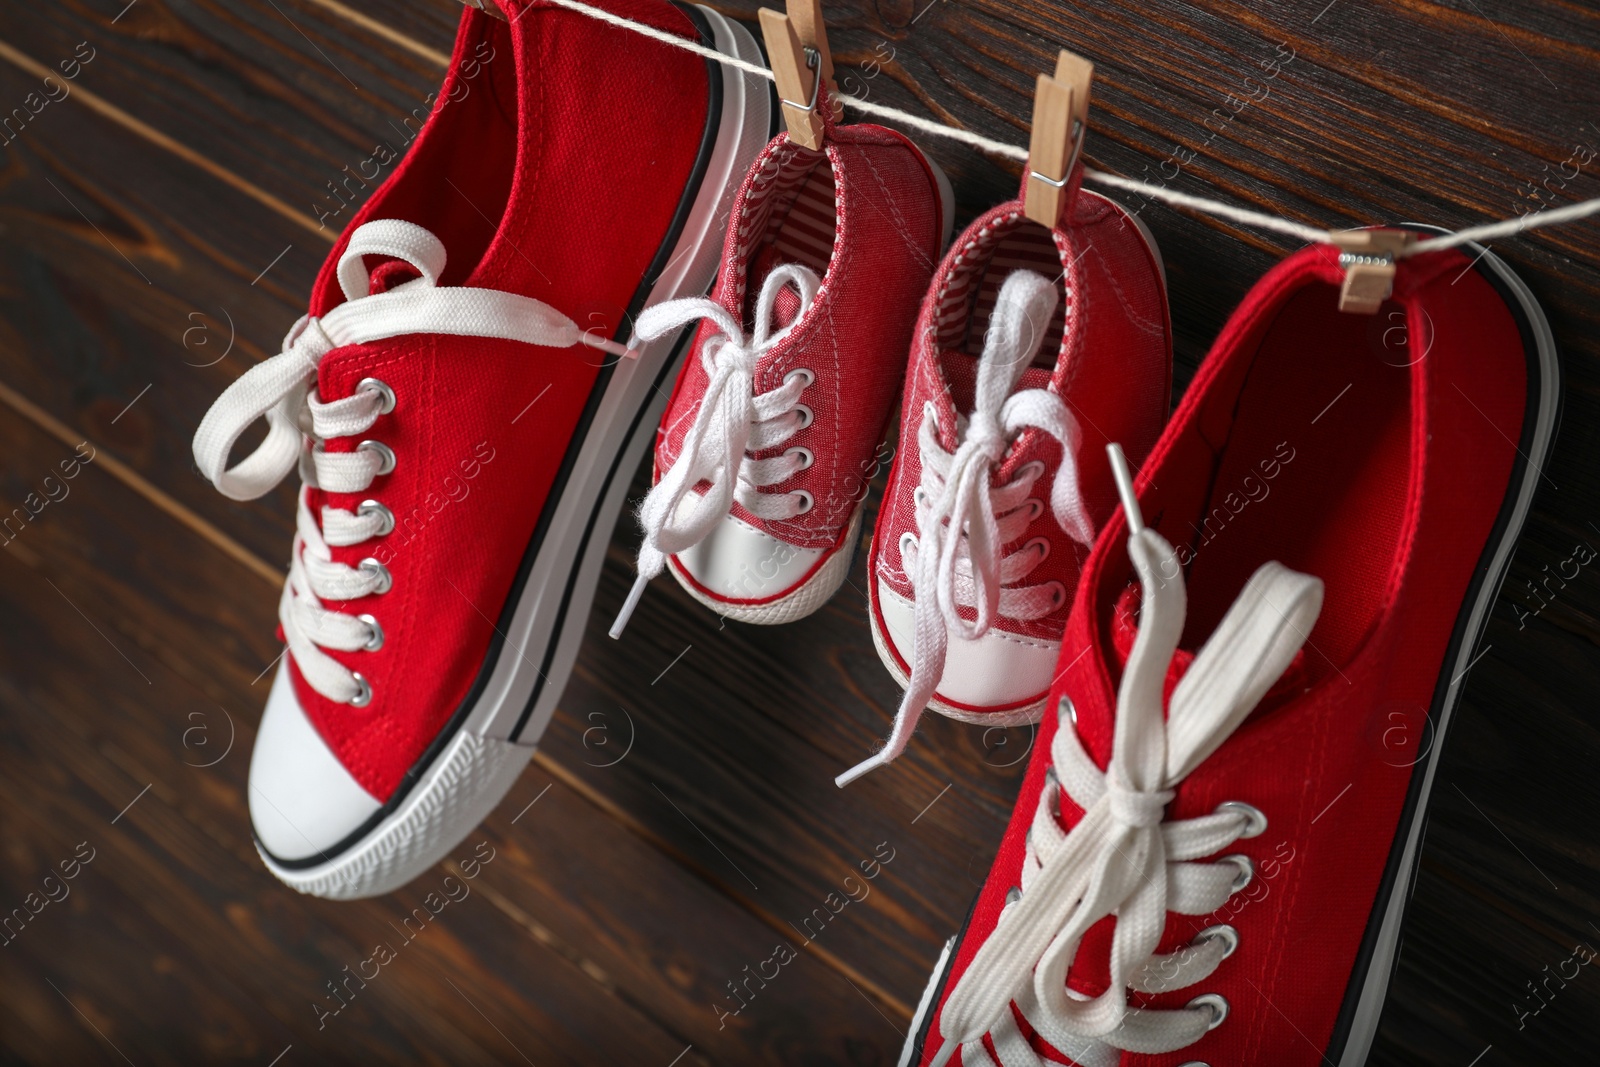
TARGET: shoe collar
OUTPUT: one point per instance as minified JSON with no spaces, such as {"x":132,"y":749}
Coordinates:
{"x":941,"y":365}
{"x":1102,"y":624}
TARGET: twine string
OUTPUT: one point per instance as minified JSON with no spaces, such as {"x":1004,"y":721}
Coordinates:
{"x":1205,"y":205}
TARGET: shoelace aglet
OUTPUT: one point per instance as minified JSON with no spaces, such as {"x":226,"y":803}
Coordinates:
{"x":912,"y":705}
{"x":628,"y":605}
{"x":871,"y":763}
{"x":1124,"y":480}
{"x":626,"y":351}
{"x":946,"y":1054}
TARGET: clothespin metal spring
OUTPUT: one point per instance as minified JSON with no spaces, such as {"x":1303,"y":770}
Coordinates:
{"x":813,"y":63}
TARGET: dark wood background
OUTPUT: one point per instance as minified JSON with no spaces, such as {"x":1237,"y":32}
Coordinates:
{"x":158,"y":233}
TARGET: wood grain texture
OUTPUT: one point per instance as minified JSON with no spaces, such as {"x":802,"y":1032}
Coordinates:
{"x":102,"y":688}
{"x":126,"y":311}
{"x":721,"y":827}
{"x":574,"y":914}
{"x":225,"y":80}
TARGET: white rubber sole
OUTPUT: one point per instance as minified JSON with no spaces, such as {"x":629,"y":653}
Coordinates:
{"x":1380,"y":965}
{"x":1021,"y":716}
{"x":512,"y":706}
{"x":805,"y":598}
{"x":924,"y":1005}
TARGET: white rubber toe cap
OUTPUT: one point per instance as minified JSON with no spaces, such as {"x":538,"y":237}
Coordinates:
{"x":997,"y":670}
{"x":302,"y":800}
{"x":736,"y":561}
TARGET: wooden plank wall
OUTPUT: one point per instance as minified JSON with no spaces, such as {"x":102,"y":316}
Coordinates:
{"x":159,"y":229}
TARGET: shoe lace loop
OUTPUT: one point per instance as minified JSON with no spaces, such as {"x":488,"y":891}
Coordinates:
{"x":281,"y":390}
{"x":732,"y":420}
{"x":1122,"y":858}
{"x":964,"y":519}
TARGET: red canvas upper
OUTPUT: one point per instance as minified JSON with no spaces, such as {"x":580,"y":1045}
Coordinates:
{"x":874,"y":258}
{"x":534,"y":142}
{"x":1374,"y":453}
{"x":1108,"y":357}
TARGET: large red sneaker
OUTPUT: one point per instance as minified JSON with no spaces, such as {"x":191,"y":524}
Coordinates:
{"x":464,"y":415}
{"x":773,"y":431}
{"x":1217,"y":834}
{"x":1035,"y":348}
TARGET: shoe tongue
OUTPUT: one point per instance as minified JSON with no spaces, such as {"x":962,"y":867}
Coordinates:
{"x":787,"y":304}
{"x":784,"y":308}
{"x":961,"y":375}
{"x":387,"y":275}
{"x":1125,"y":628}
{"x":390,"y":273}
{"x":1018,"y":323}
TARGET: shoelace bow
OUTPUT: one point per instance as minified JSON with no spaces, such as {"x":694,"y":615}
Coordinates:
{"x":279,"y":389}
{"x":732,"y":420}
{"x":1121,"y":858}
{"x":964,"y":520}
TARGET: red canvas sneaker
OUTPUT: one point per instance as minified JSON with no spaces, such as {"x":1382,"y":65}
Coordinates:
{"x":1217,"y":834}
{"x":464,"y":415}
{"x":771,"y":435}
{"x":1034,"y":347}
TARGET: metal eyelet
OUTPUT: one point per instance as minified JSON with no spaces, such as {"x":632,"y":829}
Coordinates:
{"x":372,"y":507}
{"x":374,"y":633}
{"x":807,"y":417}
{"x":1052,"y":785}
{"x":1013,"y":895}
{"x":800,"y":372}
{"x":384,"y":453}
{"x":905,"y":537}
{"x":386,"y":399}
{"x":1247,"y":870}
{"x":1058,"y":595}
{"x":1256,"y":821}
{"x":1221,"y":932}
{"x":1067,"y":710}
{"x":807,"y":501}
{"x":385,"y":580}
{"x":806,"y":458}
{"x":1042,"y":544}
{"x":920,"y":496}
{"x":1216,"y":1002}
{"x":1035,"y":508}
{"x":1195,"y":1063}
{"x":363,"y":695}
{"x":1030,"y":471}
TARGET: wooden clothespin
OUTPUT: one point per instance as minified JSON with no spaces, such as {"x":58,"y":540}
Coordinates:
{"x":797,"y":47}
{"x":1368,"y":258}
{"x":1060,"y":123}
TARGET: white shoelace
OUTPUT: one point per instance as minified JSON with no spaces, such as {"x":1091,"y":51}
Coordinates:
{"x":280,"y":390}
{"x":733,"y":419}
{"x":964,"y":520}
{"x":1121,"y":858}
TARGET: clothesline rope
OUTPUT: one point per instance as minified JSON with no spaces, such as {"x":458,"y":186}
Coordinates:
{"x":1260,"y":220}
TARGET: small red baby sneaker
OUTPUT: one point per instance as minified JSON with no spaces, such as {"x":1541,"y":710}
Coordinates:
{"x":1216,"y":836}
{"x":463,"y":413}
{"x":771,"y":436}
{"x":1035,"y":347}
